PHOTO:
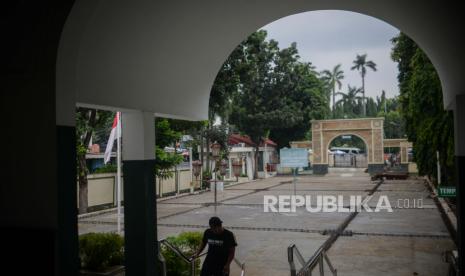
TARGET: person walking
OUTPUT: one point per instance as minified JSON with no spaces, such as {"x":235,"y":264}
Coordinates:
{"x":221,"y":249}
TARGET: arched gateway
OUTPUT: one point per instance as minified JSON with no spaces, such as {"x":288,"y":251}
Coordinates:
{"x":370,"y":130}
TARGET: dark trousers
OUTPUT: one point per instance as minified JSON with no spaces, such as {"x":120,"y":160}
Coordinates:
{"x":208,"y":270}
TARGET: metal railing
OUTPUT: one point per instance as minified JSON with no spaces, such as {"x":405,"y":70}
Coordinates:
{"x":190,"y":260}
{"x":320,"y":255}
{"x":451,"y":257}
{"x":318,"y":258}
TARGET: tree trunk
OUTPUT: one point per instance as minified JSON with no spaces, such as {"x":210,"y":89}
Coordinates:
{"x":334,"y":102}
{"x":364,"y":108}
{"x":201,"y":152}
{"x":255,"y":162}
{"x":207,"y":146}
{"x":82,"y":166}
{"x":82,"y":172}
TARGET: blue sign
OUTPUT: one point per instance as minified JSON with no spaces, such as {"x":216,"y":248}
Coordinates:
{"x":294,"y":158}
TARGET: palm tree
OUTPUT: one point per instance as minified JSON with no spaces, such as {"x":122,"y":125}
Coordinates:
{"x":360,"y":64}
{"x":349,"y":100}
{"x":333,"y":78}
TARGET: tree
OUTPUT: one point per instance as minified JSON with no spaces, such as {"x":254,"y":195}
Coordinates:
{"x":371,"y":107}
{"x":427,"y":124}
{"x":349,"y":101}
{"x":299,"y":84}
{"x":308,"y":91}
{"x":333,"y":78}
{"x":88,"y":120}
{"x":394,"y":125}
{"x":361,"y":64}
{"x":381,"y":102}
{"x":164,"y":137}
{"x":260,"y":105}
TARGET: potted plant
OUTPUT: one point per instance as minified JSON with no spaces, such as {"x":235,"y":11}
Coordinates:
{"x":101,"y":254}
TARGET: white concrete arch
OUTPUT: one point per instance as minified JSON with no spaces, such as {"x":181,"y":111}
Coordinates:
{"x":348,"y":133}
{"x":163,"y":57}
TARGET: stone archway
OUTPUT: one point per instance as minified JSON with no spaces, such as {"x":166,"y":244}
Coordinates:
{"x":370,"y":130}
{"x":357,"y":161}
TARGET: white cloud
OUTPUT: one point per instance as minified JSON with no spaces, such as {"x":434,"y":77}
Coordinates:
{"x":326,"y":38}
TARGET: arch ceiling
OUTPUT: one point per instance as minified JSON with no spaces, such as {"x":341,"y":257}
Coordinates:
{"x":163,"y":56}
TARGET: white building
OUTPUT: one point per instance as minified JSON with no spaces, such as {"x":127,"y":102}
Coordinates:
{"x":242,"y":148}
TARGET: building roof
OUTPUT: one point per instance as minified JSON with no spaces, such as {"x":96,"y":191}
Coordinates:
{"x":235,"y":139}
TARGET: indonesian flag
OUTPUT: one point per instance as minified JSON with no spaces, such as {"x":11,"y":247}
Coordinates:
{"x":114,"y":134}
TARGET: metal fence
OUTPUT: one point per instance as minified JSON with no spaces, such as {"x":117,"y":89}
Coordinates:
{"x":349,"y":160}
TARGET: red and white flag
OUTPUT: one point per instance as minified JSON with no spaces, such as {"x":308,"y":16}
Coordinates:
{"x":114,"y":134}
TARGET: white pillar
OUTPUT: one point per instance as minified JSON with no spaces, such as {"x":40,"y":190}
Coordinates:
{"x":190,"y":170}
{"x":250,"y":163}
{"x":230,"y":167}
{"x":138,"y":135}
{"x":140,"y":231}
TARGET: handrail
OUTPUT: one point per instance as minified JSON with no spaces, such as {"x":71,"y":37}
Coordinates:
{"x":241,"y":265}
{"x":189,"y":260}
{"x":318,"y":258}
{"x":320,"y":255}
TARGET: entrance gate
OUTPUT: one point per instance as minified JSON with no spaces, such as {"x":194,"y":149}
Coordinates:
{"x":370,"y":130}
{"x":348,"y":160}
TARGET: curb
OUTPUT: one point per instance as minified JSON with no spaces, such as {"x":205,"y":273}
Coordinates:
{"x":446,"y":212}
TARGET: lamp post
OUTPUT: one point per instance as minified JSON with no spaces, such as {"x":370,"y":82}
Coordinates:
{"x":216,"y":148}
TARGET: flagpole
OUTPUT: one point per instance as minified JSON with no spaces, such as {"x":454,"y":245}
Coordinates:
{"x":118,"y":171}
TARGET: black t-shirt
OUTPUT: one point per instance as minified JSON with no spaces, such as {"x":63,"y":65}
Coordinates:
{"x":218,"y":247}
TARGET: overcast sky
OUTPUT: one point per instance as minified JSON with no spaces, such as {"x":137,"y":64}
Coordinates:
{"x":326,"y":38}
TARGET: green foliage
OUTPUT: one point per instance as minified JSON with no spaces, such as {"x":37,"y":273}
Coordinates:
{"x":206,"y":176}
{"x":394,"y":125}
{"x":164,"y":163}
{"x":332,"y":79}
{"x":108,"y":168}
{"x":350,"y":102}
{"x":276,"y":93}
{"x":427,"y":124}
{"x":371,"y":107}
{"x":98,"y":251}
{"x":188,"y":243}
{"x":219,"y":134}
{"x":165,"y":136}
{"x":361,"y":65}
{"x":92,"y":122}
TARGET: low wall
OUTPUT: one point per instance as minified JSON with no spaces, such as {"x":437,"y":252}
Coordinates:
{"x":168,"y":186}
{"x":102,"y":188}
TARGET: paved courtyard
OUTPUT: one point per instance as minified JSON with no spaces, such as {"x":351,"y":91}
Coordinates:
{"x":408,"y":241}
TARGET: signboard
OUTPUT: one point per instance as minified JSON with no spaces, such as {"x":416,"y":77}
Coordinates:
{"x":346,"y":137}
{"x":294,"y":158}
{"x":446,"y":191}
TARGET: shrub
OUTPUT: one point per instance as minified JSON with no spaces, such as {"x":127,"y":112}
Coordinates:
{"x":206,"y":176}
{"x":98,"y":251}
{"x":188,"y":243}
{"x":108,"y":168}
